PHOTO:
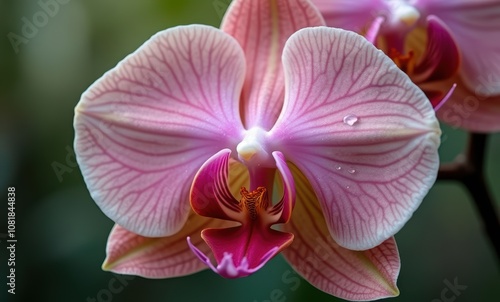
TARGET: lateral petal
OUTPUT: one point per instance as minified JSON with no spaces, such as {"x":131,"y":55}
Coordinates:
{"x":363,"y":134}
{"x":145,"y":127}
{"x":267,"y":26}
{"x":160,"y":257}
{"x":350,"y":275}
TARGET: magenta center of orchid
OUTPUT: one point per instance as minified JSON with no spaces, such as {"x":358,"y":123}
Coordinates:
{"x":241,"y":250}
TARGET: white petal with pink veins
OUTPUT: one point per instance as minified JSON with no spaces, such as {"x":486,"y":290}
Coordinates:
{"x":145,"y":127}
{"x":369,"y":175}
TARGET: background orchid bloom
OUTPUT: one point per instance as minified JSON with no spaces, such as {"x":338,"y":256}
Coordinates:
{"x":196,"y":113}
{"x":427,"y":38}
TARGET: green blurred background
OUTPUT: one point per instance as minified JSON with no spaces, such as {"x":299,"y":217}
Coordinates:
{"x":61,"y":232}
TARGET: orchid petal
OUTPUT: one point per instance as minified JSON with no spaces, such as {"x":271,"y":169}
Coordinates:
{"x":364,"y":135}
{"x":161,"y":257}
{"x":474,"y":111}
{"x":348,"y":14}
{"x":146,"y":126}
{"x":475,"y":26}
{"x":441,"y":58}
{"x":268,"y":24}
{"x":350,"y":275}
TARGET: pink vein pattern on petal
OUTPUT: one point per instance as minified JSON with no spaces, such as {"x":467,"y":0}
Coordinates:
{"x":146,"y":126}
{"x":350,"y":275}
{"x":350,"y":15}
{"x":158,"y":257}
{"x":262,"y":28}
{"x":363,"y":134}
{"x":475,"y":26}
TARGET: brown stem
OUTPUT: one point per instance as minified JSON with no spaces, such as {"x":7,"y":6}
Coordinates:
{"x":469,"y":170}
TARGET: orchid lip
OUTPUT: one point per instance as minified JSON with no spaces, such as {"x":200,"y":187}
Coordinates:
{"x":227,"y":268}
{"x":243,"y":249}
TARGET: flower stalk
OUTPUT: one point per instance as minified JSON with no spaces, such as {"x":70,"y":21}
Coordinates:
{"x":468,"y":169}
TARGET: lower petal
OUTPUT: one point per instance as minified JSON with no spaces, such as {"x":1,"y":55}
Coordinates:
{"x":160,"y":257}
{"x":350,"y":275}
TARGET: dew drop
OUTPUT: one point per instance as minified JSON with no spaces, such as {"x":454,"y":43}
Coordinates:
{"x":347,"y":187}
{"x":338,"y":168}
{"x":351,"y":171}
{"x":350,"y":119}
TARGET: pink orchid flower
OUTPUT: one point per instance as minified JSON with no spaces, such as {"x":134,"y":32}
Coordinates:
{"x":438,"y":43}
{"x":327,"y":144}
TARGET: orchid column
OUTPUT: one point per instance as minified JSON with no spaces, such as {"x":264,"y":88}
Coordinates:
{"x":196,"y":131}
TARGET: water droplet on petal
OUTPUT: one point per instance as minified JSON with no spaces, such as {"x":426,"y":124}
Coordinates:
{"x":338,"y":168}
{"x":351,"y":171}
{"x":350,"y":119}
{"x":347,"y":187}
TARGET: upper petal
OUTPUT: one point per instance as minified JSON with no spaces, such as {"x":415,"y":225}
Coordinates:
{"x":349,"y":14}
{"x":363,"y":134}
{"x":475,"y":25}
{"x":262,"y":28}
{"x":145,"y":127}
{"x":351,"y":275}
